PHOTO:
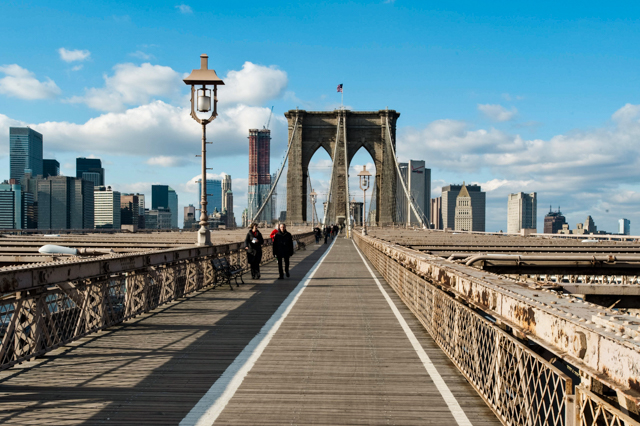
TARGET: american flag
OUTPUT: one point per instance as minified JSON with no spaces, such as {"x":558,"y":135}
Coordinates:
{"x":339,"y":88}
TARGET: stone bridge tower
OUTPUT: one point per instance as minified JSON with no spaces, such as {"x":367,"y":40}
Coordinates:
{"x":318,"y":129}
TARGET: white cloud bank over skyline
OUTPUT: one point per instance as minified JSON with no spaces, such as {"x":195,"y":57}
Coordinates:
{"x":73,"y":55}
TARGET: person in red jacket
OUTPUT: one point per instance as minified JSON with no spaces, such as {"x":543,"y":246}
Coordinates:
{"x":283,"y":249}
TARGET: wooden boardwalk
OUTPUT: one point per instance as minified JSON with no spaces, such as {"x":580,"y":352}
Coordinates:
{"x":340,"y":357}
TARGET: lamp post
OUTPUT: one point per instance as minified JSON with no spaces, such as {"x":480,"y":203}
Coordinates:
{"x":207,"y":81}
{"x":313,"y":196}
{"x":365,"y":181}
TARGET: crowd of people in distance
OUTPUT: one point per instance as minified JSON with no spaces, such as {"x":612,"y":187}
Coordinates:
{"x":329,"y":232}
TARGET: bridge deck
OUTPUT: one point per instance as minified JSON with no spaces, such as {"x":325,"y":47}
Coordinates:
{"x":339,"y":357}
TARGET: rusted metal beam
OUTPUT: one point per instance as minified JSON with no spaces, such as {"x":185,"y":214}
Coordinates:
{"x":598,"y":341}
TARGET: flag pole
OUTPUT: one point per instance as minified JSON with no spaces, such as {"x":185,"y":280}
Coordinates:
{"x":342,"y":98}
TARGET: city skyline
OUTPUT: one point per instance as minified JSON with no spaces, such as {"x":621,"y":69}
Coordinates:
{"x":523,"y":98}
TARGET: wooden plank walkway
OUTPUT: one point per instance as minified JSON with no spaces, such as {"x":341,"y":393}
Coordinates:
{"x":340,"y":357}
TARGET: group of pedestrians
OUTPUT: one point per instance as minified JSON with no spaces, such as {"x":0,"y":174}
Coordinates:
{"x":282,"y":249}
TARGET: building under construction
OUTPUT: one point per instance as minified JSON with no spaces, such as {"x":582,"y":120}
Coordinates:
{"x":259,"y":173}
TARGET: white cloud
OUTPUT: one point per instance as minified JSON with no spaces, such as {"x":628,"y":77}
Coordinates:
{"x":253,"y":85}
{"x":73,"y":55}
{"x":167,"y":161}
{"x":497,"y":112}
{"x":141,"y":55}
{"x":21,"y":83}
{"x":77,"y":67}
{"x":183,"y":8}
{"x":132,"y":85}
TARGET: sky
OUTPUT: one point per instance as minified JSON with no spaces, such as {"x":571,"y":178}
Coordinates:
{"x":515,"y":97}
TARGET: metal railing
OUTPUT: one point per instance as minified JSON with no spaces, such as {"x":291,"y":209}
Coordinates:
{"x":48,"y":305}
{"x":519,"y":385}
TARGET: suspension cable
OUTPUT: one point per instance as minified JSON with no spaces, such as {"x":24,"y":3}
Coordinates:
{"x":404,"y":186}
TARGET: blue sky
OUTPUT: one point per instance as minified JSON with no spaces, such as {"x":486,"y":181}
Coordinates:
{"x":515,"y":97}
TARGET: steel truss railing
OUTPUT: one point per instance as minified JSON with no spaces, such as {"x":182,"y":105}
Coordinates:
{"x":40,"y":310}
{"x":579,"y":279}
{"x":519,"y":385}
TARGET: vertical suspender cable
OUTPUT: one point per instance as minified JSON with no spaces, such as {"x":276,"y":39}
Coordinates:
{"x":273,"y":186}
{"x":404,"y":186}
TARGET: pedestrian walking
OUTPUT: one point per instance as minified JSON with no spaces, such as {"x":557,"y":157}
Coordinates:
{"x":318,"y":234}
{"x":326,"y":233}
{"x":336,"y":230}
{"x":253,"y":245}
{"x":283,"y":249}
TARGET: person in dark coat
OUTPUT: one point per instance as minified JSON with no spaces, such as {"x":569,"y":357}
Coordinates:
{"x":317,"y":234}
{"x":253,"y":245}
{"x":336,"y":229}
{"x":327,"y":233}
{"x":283,"y":249}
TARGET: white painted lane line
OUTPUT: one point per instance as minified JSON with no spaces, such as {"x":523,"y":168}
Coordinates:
{"x":452,"y":403}
{"x":207,"y":410}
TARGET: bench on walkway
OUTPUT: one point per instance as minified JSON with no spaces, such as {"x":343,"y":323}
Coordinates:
{"x":227,"y":271}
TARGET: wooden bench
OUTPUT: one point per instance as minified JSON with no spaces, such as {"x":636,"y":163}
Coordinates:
{"x":226,"y":271}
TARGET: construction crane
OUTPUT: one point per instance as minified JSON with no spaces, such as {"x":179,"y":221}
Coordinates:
{"x":269,"y":120}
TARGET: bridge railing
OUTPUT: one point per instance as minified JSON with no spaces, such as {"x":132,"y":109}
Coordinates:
{"x":519,"y":385}
{"x":48,"y":305}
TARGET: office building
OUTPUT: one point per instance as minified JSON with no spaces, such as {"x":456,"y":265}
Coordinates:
{"x":129,"y":209}
{"x":554,"y":221}
{"x":165,"y":197}
{"x":227,"y":201}
{"x":50,"y":167}
{"x":214,"y":196}
{"x":624,"y":227}
{"x":25,"y":152}
{"x":436,"y":213}
{"x":522,"y":211}
{"x":173,"y":207}
{"x":65,"y":203}
{"x":356,"y":212}
{"x":16,"y":207}
{"x":449,"y":199}
{"x":259,"y":174}
{"x":159,"y":218}
{"x":189,"y":221}
{"x":107,"y":204}
{"x":417,"y":178}
{"x":90,"y":169}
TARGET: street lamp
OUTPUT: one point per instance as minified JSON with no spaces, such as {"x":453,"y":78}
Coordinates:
{"x":206,"y":80}
{"x":313,"y":196}
{"x":365,"y":181}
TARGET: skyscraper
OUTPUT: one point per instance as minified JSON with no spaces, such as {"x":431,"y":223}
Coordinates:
{"x":449,"y":196}
{"x":189,"y":221}
{"x":173,"y":207}
{"x":50,"y":168}
{"x":25,"y":152}
{"x":129,"y":209}
{"x":522,"y":210}
{"x":214,"y":196}
{"x":418,"y":181}
{"x":90,"y":169}
{"x":624,"y":227}
{"x":259,"y":173}
{"x":159,"y":196}
{"x":65,"y":203}
{"x":436,"y":212}
{"x":12,"y":215}
{"x":107,"y":213}
{"x":227,"y":201}
{"x":553,"y":221}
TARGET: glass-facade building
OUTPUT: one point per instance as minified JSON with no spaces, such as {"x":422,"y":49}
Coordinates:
{"x":65,"y":203}
{"x":50,"y":168}
{"x":84,"y":166}
{"x":172,"y":196}
{"x":214,"y":196}
{"x":25,"y":152}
